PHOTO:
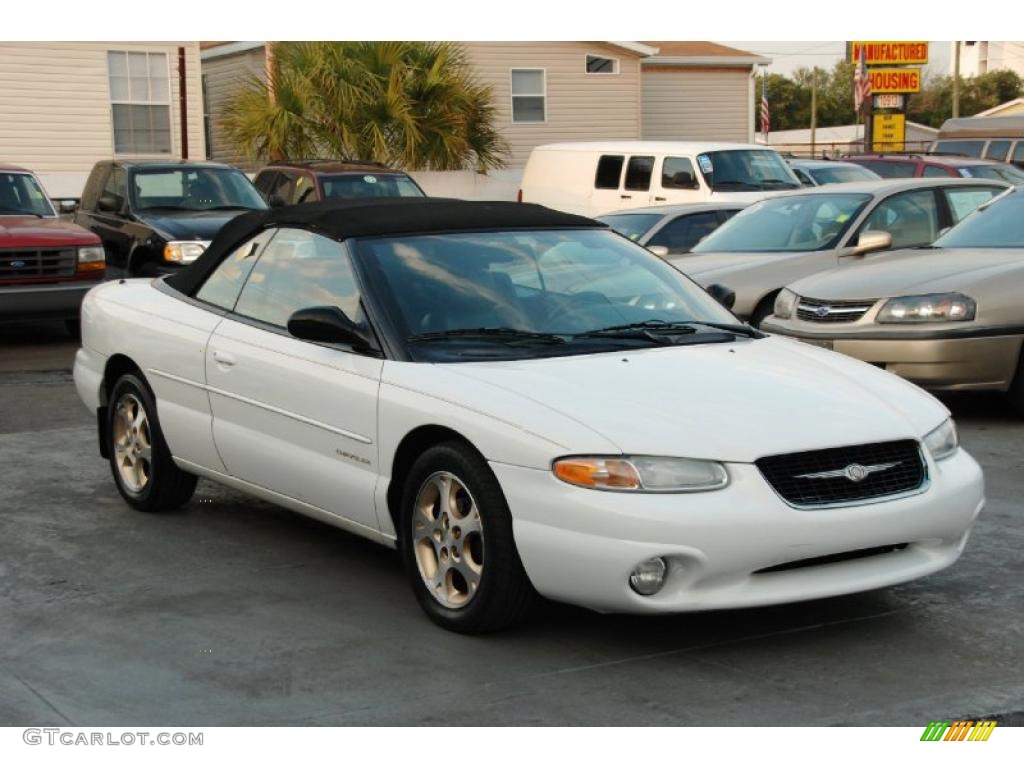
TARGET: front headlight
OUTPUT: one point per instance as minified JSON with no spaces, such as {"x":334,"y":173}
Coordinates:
{"x":785,"y":304}
{"x":91,"y":257}
{"x":931,"y":308}
{"x":650,"y":474}
{"x":943,"y":440}
{"x":184,"y":251}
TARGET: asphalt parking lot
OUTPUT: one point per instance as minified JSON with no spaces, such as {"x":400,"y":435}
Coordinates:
{"x":235,"y":612}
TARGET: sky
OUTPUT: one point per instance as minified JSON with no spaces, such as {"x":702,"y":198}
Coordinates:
{"x":788,"y":56}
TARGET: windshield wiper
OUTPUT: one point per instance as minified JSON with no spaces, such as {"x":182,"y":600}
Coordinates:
{"x":652,"y":329}
{"x":228,"y":208}
{"x":165,"y":208}
{"x":498,"y":334}
{"x":736,"y":184}
{"x":777,"y":182}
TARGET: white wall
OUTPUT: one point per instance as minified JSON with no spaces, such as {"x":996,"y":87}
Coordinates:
{"x":468,"y":185}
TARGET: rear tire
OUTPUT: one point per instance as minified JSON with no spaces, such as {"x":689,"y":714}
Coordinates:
{"x":144,"y":472}
{"x":455,"y":536}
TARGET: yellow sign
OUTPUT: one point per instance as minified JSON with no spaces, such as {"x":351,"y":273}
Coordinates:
{"x":895,"y":80}
{"x":888,"y":132}
{"x":891,"y":51}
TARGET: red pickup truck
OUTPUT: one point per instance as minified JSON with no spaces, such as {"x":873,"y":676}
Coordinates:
{"x":46,"y":263}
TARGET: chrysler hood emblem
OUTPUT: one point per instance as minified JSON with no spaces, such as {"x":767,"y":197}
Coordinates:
{"x":855,"y":473}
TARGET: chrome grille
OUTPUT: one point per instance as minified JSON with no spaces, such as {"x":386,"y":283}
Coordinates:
{"x":848,"y":474}
{"x":32,"y":264}
{"x":840,"y":311}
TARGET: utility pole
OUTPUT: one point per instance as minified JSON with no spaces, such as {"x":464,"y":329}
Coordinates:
{"x":956,"y":80}
{"x":814,"y":106}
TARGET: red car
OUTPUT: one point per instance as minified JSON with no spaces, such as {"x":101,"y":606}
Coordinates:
{"x":938,"y":166}
{"x":46,"y":263}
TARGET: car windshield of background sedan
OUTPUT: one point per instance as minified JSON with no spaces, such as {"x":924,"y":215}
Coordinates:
{"x":21,"y":195}
{"x":842,"y":174}
{"x":537,"y":293}
{"x":369,"y":185}
{"x":195,"y":189}
{"x":786,"y":224}
{"x":998,"y":172}
{"x":747,"y":169}
{"x":631,"y":225}
{"x":998,"y":224}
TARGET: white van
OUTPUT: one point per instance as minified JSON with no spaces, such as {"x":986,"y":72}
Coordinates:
{"x":596,"y":177}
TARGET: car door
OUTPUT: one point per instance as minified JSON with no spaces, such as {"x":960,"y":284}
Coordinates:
{"x":636,"y":182}
{"x":605,"y":196}
{"x":296,"y":417}
{"x":913,"y":218}
{"x":683,"y":232}
{"x":110,"y":222}
{"x":676,"y":182}
{"x":963,"y":200}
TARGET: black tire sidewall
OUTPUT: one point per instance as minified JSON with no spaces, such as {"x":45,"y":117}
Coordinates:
{"x":499,"y":548}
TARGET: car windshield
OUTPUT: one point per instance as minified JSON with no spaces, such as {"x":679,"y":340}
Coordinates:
{"x":998,"y":172}
{"x":369,"y":185}
{"x":746,"y":169}
{"x":811,"y":222}
{"x":999,"y":224}
{"x":21,"y":195}
{"x":194,"y":189}
{"x":537,"y":293}
{"x":960,"y":147}
{"x":632,"y":225}
{"x":842,"y":174}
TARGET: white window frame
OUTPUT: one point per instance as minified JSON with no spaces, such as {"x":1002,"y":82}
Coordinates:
{"x":613,"y":59}
{"x":543,"y":94}
{"x":170,"y":117}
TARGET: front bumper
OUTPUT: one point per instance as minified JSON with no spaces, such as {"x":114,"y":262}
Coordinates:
{"x":967,"y":362}
{"x":579,"y":545}
{"x":31,"y":302}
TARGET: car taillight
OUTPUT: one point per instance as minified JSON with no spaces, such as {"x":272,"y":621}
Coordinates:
{"x":519,"y":196}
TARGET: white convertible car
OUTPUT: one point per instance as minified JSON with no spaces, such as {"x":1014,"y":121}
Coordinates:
{"x":522,"y":402}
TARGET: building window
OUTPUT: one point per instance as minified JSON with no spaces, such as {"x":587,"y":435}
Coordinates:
{"x":140,"y":102}
{"x":528,"y":96}
{"x":602,"y":65}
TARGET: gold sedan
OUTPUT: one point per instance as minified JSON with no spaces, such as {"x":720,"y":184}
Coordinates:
{"x":947,"y":317}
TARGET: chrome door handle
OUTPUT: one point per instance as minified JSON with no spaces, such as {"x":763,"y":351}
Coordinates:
{"x":223,"y":358}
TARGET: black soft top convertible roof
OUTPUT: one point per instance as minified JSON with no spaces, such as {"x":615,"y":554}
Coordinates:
{"x":340,"y":219}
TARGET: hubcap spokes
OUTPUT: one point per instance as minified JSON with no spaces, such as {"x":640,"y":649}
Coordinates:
{"x":133,"y":447}
{"x":448,"y":540}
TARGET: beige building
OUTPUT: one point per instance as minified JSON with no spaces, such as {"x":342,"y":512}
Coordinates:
{"x":67,"y":105}
{"x":548,"y":91}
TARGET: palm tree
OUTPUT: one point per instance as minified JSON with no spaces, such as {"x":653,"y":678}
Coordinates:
{"x":415,"y":105}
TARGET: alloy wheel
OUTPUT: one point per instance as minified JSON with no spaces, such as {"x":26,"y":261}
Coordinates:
{"x":132,"y":441}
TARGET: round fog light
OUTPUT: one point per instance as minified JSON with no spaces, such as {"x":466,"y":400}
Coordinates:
{"x":648,"y":577}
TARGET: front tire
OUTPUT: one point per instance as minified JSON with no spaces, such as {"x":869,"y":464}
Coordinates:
{"x":457,"y":545}
{"x":145,"y":475}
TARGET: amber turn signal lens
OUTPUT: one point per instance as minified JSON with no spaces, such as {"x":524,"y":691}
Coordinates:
{"x":597,"y":473}
{"x":92,"y":266}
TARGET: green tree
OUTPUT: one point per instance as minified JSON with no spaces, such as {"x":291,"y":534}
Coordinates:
{"x":934,"y":104}
{"x":415,"y":105}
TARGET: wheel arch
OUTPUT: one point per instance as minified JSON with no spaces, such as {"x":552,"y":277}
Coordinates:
{"x":409,"y":448}
{"x":764,"y":306}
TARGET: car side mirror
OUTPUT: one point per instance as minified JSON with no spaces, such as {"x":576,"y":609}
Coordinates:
{"x":109,"y":203}
{"x":276,"y":201}
{"x":660,"y":251}
{"x":66,"y":204}
{"x":327,"y":324}
{"x":724,"y":296}
{"x":871,"y":240}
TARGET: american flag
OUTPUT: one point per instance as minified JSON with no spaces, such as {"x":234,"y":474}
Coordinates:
{"x":766,"y":121}
{"x":861,"y":83}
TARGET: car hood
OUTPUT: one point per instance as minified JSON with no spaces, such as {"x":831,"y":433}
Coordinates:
{"x":188,"y":225}
{"x":709,"y":267}
{"x":33,"y":232}
{"x":913,"y":271}
{"x":729,"y":402}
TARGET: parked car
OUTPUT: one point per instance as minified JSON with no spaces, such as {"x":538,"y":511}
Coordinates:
{"x":785,"y":238}
{"x":521,"y":401}
{"x":948,"y":318}
{"x":307,"y":181}
{"x":938,"y":166}
{"x":155,"y":217}
{"x":595,"y":177}
{"x":816,"y":173}
{"x":47,"y":264}
{"x":671,"y":229}
{"x":993,"y":137}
